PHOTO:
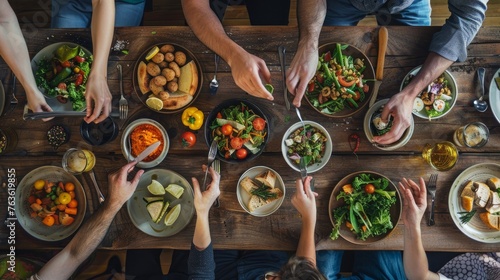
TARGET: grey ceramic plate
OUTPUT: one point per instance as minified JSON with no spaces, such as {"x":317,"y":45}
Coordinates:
{"x":48,"y":53}
{"x":495,"y":96}
{"x":139,"y":215}
{"x":34,"y":226}
{"x":475,"y":228}
{"x":244,"y":197}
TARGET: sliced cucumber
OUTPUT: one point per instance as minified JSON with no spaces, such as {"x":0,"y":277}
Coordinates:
{"x":234,"y":124}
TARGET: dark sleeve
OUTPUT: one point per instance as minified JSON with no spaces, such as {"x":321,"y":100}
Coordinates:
{"x":201,"y":264}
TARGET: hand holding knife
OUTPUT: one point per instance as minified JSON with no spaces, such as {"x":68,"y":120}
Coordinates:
{"x":383,"y":37}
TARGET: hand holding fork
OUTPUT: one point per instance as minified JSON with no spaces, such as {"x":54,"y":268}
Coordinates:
{"x":431,"y":190}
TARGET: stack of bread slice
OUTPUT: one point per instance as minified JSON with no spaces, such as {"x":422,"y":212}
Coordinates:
{"x":483,"y":195}
{"x":262,"y":183}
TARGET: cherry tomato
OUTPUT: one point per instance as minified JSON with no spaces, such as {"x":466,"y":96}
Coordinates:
{"x":73,"y":203}
{"x":79,"y":79}
{"x":188,"y":139}
{"x":241,"y":153}
{"x":58,"y":69}
{"x":259,"y":124}
{"x":236,"y":143}
{"x":62,"y":86}
{"x":66,"y":64}
{"x":219,"y":115}
{"x":357,"y":96}
{"x":328,"y":56}
{"x":366,"y":88}
{"x":320,"y":78}
{"x":79,"y":59}
{"x":64,"y":198}
{"x":343,"y":82}
{"x":227,"y":129}
{"x":69,"y":187}
{"x":310,"y":87}
{"x":369,"y":188}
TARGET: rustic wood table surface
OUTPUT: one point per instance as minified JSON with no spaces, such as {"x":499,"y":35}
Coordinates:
{"x":231,"y":227}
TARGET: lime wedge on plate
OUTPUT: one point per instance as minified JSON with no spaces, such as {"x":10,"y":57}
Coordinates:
{"x":163,"y":211}
{"x":172,"y":215}
{"x":175,"y":190}
{"x":152,"y":52}
{"x":154,"y":103}
{"x":154,"y":209}
{"x":156,"y":188}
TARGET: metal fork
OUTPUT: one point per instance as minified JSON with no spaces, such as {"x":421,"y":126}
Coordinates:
{"x":431,"y":189}
{"x":122,"y":104}
{"x":216,"y":166}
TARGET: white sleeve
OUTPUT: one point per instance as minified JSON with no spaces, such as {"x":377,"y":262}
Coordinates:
{"x":442,"y":277}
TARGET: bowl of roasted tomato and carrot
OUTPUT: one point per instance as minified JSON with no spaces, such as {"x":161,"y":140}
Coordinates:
{"x":240,"y":129}
{"x":343,"y":82}
{"x":50,"y":203}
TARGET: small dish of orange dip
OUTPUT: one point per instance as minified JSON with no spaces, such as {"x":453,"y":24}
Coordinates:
{"x":142,"y":137}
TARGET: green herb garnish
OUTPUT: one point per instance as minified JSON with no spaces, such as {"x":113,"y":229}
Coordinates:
{"x":465,"y":216}
{"x":264,"y":193}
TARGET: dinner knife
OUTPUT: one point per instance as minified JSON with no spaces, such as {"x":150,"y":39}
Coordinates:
{"x":147,"y":151}
{"x":383,"y":37}
{"x":43,"y":115}
{"x":281,"y":53}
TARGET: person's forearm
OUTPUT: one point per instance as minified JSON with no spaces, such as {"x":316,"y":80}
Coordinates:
{"x":310,"y":17}
{"x":414,"y":258}
{"x":201,"y":238}
{"x":13,"y":48}
{"x":209,"y":30}
{"x":103,"y":21}
{"x":307,"y":247}
{"x":86,"y":240}
{"x":432,"y":68}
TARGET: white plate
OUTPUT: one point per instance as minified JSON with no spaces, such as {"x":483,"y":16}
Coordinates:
{"x":126,"y":149}
{"x":48,"y":53}
{"x":34,"y":226}
{"x":139,"y":215}
{"x":452,"y":84}
{"x":495,"y":96}
{"x":244,"y":196}
{"x":475,"y":228}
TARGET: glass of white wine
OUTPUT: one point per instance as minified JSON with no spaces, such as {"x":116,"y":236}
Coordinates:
{"x":441,"y":156}
{"x":78,"y":161}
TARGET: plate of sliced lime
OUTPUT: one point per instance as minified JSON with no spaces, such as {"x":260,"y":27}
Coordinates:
{"x":163,"y":203}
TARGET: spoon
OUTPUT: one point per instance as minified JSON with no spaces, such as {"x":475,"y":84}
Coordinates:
{"x":480,"y":104}
{"x":214,"y":84}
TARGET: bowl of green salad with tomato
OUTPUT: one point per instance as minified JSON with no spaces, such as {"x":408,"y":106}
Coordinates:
{"x":343,"y":82}
{"x":240,"y":129}
{"x":61,"y":71}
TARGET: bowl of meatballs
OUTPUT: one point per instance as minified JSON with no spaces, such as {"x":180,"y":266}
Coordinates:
{"x":167,"y":78}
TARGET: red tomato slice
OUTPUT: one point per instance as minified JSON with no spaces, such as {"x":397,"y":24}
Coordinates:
{"x":345,"y":83}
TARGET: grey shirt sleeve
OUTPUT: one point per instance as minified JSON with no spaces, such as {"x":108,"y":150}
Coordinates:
{"x":201,"y":264}
{"x":460,"y":28}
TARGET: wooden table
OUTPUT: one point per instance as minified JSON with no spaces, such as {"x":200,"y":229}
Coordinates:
{"x":231,"y":226}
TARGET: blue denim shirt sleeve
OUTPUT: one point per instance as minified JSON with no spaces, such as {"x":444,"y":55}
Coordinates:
{"x":460,"y":28}
{"x":201,"y":264}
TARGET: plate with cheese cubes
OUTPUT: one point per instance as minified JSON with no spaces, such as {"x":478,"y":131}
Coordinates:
{"x":474,"y":202}
{"x":162,"y":204}
{"x":260,"y":191}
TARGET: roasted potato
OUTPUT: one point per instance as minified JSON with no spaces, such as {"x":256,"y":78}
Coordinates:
{"x":172,"y":86}
{"x":153,"y":69}
{"x":154,"y":88}
{"x":169,"y":57}
{"x":160,"y":80}
{"x":167,"y":48}
{"x":168,"y":73}
{"x":174,"y":67}
{"x":158,"y":58}
{"x":180,"y":58}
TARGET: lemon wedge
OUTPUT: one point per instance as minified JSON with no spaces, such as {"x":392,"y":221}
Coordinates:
{"x":175,"y":190}
{"x":154,"y":209}
{"x":152,"y":53}
{"x":154,"y":103}
{"x":156,"y":188}
{"x":172,"y":215}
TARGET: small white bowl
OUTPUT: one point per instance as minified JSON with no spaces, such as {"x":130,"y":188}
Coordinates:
{"x":328,"y":148}
{"x":244,"y":196}
{"x":452,"y":84}
{"x":367,"y":126}
{"x":126,"y":146}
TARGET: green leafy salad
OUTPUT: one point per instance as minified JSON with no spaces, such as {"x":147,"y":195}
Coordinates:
{"x":366,"y":211}
{"x":65,"y":75}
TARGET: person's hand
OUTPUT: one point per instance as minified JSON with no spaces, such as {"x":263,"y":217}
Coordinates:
{"x":37,"y":102}
{"x":120,"y":190}
{"x":414,"y":201}
{"x":301,"y":71}
{"x":400,"y":107}
{"x":97,"y":94}
{"x":203,"y":201}
{"x":304,"y":199}
{"x":247,"y":70}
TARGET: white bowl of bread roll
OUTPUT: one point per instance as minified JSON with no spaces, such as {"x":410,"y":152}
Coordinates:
{"x":260,"y":191}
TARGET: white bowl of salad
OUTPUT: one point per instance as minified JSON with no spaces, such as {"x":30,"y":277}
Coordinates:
{"x":61,"y":71}
{"x":315,"y":145}
{"x":437,"y":99}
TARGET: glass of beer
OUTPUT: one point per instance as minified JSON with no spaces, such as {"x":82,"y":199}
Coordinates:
{"x":441,"y":156}
{"x":77,"y":161}
{"x":473,"y":135}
